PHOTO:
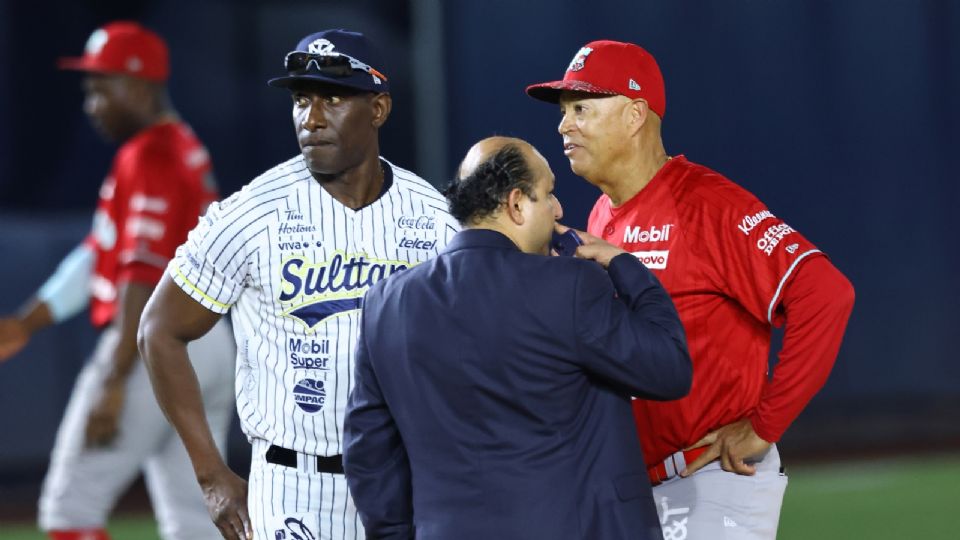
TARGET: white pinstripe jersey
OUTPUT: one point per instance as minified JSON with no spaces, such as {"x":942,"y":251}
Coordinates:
{"x":293,"y":263}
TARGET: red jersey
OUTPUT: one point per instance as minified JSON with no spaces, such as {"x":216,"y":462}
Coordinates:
{"x":725,"y":259}
{"x":159,"y":183}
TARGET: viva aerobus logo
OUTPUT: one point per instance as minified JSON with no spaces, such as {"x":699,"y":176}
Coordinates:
{"x":314,"y":292}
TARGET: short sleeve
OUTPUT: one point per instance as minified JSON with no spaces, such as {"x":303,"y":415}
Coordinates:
{"x":159,"y":206}
{"x":211,"y":265}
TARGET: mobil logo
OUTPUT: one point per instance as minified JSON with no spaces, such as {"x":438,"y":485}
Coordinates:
{"x":633,"y":235}
{"x":654,"y":260}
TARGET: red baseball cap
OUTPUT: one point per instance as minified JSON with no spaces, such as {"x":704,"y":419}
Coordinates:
{"x":609,"y":67}
{"x":126,"y":48}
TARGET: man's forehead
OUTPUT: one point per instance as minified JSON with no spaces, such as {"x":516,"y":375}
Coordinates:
{"x":322,"y":89}
{"x":99,"y":80}
{"x":541,"y":162}
{"x":571,"y":96}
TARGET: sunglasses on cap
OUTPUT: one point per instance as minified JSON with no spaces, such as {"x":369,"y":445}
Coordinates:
{"x":334,"y":65}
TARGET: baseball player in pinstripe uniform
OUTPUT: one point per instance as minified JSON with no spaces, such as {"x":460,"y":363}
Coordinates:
{"x":159,"y":183}
{"x":291,"y":255}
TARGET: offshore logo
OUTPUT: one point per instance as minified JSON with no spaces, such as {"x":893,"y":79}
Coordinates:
{"x":314,"y":292}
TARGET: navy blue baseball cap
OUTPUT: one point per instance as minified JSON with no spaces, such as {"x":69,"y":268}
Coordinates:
{"x":338,"y":57}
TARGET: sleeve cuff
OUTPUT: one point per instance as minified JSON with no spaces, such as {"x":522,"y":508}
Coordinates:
{"x":194,"y":292}
{"x":763,"y":431}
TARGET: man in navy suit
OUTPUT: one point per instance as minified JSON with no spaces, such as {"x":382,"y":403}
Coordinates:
{"x":493,"y":383}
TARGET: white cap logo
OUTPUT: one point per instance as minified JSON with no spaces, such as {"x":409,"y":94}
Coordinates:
{"x":577,"y":63}
{"x":320,"y":46}
{"x":96,"y":41}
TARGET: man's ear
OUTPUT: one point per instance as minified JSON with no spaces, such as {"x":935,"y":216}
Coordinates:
{"x":382,"y":104}
{"x":515,"y":201}
{"x":638,"y":112}
{"x":145,"y":95}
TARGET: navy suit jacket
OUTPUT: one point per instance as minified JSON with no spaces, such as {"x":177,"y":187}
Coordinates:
{"x":492,"y":396}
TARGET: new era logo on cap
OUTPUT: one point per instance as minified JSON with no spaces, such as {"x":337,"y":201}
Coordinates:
{"x":609,"y":67}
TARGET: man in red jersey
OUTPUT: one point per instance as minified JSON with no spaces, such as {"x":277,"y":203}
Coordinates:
{"x":159,"y":183}
{"x":734,"y":271}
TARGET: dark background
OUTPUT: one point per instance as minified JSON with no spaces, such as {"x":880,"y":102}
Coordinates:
{"x":841,"y":115}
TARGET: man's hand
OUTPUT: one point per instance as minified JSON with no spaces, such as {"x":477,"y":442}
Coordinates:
{"x":732,"y":443}
{"x":14,"y":336}
{"x":226,"y":498}
{"x":593,"y":248}
{"x":105,"y":416}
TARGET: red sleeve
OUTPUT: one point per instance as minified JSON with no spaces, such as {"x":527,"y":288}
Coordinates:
{"x":159,"y":199}
{"x":757,"y":253}
{"x":816,"y":304}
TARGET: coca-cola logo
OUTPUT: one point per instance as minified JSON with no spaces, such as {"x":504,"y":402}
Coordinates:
{"x":420,"y":223}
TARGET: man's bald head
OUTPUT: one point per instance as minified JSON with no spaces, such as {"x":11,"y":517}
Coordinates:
{"x":483,"y":150}
{"x":505,"y":185}
{"x":491,"y":169}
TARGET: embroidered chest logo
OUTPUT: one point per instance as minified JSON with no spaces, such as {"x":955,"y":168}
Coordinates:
{"x":313,"y":292}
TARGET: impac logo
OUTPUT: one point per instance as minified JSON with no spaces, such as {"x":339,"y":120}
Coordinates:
{"x":309,"y":395}
{"x":654,"y":260}
{"x":633,"y":235}
{"x":312,"y":292}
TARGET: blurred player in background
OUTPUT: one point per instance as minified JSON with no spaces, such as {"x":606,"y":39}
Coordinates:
{"x":159,"y":183}
{"x":291,"y":256}
{"x":734,"y":271}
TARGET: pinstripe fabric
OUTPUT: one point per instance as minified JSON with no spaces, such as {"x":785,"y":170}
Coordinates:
{"x":292,"y":264}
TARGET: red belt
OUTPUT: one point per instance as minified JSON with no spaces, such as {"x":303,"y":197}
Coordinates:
{"x":673,"y":465}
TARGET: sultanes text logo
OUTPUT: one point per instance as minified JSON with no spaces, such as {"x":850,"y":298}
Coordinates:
{"x":312,"y":292}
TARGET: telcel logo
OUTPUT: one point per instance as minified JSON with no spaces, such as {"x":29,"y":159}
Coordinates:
{"x":416,"y":243}
{"x":653,"y":234}
{"x":654,"y":260}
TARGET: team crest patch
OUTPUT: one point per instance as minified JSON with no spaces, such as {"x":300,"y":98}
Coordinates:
{"x":577,"y":63}
{"x":96,"y":41}
{"x":321,"y":46}
{"x":309,"y":395}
